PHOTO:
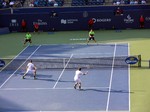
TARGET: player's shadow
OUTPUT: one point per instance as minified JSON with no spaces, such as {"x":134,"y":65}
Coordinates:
{"x":106,"y":90}
{"x":119,"y":91}
{"x":45,"y":77}
{"x":97,"y":90}
{"x":66,"y":81}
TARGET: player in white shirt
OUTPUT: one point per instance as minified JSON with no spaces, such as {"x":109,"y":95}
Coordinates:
{"x":31,"y":68}
{"x":77,"y":79}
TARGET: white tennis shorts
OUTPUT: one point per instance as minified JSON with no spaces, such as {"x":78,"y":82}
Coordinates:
{"x":78,"y":80}
{"x":30,"y":71}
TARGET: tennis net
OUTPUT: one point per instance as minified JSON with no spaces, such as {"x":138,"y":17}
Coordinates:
{"x":72,"y":63}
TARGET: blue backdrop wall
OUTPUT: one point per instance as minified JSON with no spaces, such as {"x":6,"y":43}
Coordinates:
{"x":75,"y":18}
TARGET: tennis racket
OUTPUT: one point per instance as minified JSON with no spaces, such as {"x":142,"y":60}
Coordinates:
{"x":86,"y":72}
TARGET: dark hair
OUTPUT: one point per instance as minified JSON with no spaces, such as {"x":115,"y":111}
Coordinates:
{"x":31,"y":61}
{"x":79,"y":69}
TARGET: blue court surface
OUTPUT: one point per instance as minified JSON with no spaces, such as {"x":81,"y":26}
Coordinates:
{"x":103,"y":89}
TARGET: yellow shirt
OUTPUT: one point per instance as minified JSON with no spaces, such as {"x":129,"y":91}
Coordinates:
{"x":28,"y":36}
{"x":91,"y":33}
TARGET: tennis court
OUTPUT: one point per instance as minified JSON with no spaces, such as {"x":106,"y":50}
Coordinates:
{"x":103,"y":88}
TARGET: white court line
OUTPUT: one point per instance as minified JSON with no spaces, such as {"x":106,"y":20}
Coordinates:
{"x":111,"y":77}
{"x":129,"y":77}
{"x":68,"y":88}
{"x":14,"y":58}
{"x":63,"y":71}
{"x":76,"y":54}
{"x":19,"y":67}
{"x":109,"y":43}
{"x":72,"y":111}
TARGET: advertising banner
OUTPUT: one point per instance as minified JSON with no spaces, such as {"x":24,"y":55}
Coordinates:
{"x":72,"y":20}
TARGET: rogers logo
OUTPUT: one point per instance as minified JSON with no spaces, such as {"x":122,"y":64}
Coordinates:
{"x":101,"y":20}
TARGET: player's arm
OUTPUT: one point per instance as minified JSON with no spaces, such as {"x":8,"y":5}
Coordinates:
{"x":35,"y":67}
{"x":89,"y":35}
{"x":85,"y":73}
{"x":26,"y":67}
{"x":24,"y":38}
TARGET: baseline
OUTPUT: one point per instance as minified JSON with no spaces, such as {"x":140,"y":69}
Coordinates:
{"x":68,"y":88}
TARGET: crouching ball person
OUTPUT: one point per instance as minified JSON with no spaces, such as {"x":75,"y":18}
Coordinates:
{"x":31,"y":68}
{"x":28,"y":38}
{"x":91,"y":36}
{"x":77,"y":79}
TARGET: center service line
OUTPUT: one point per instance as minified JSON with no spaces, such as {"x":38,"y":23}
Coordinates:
{"x":110,"y":83}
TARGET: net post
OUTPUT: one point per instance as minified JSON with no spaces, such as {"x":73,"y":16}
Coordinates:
{"x":64,"y":62}
{"x":139,"y":60}
{"x":149,"y":63}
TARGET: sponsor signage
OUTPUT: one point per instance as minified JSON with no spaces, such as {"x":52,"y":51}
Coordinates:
{"x":40,"y":22}
{"x":128,"y":19}
{"x":101,"y":20}
{"x":131,"y":60}
{"x":13,"y":23}
{"x":68,"y":21}
{"x":147,"y":18}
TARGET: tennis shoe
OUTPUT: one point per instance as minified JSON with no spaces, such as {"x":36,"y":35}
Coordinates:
{"x":23,"y":77}
{"x":35,"y":78}
{"x":74,"y":86}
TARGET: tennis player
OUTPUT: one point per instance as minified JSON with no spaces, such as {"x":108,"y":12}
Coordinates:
{"x":77,"y":79}
{"x":31,"y":68}
{"x":91,"y":36}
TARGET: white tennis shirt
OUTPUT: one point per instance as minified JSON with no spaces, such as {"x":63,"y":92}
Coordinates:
{"x":30,"y":66}
{"x":78,"y":74}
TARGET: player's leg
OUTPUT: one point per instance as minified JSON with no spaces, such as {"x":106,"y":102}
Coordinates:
{"x":79,"y":85}
{"x":142,"y":24}
{"x":88,"y":40}
{"x":34,"y":30}
{"x":34,"y":72}
{"x":38,"y":31}
{"x":23,"y":77}
{"x":94,"y":40}
{"x":25,"y":41}
{"x":30,"y":41}
{"x":75,"y":85}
